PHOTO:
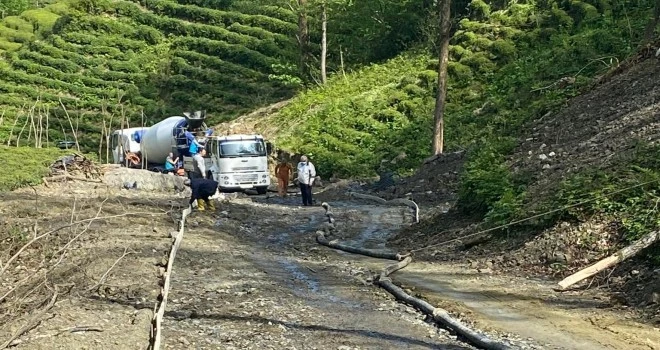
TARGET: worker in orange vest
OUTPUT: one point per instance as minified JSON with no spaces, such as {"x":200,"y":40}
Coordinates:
{"x":283,"y":172}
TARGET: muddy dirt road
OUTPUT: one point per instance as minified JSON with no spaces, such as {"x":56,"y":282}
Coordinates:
{"x":252,"y":276}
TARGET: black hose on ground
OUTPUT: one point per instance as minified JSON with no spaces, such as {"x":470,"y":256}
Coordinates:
{"x":440,"y":315}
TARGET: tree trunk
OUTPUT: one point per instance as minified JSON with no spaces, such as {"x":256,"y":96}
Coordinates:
{"x":303,"y":38}
{"x":324,"y":42}
{"x":611,"y":260}
{"x":653,"y":23}
{"x":444,"y":7}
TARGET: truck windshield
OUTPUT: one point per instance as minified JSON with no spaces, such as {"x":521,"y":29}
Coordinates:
{"x":242,"y":148}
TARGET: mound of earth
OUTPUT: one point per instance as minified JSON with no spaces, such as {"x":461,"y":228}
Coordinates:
{"x":435,"y":182}
{"x":120,"y":177}
{"x":594,"y":130}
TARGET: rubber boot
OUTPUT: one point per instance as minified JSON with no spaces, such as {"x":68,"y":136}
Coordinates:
{"x":200,"y":205}
{"x":211,"y":205}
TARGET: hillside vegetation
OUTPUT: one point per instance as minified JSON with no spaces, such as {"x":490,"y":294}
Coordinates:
{"x":506,"y":68}
{"x":89,"y":60}
{"x":512,"y":68}
{"x":85,"y":62}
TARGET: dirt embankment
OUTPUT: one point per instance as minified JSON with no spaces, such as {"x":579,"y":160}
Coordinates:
{"x":593,"y":131}
{"x":79,"y":263}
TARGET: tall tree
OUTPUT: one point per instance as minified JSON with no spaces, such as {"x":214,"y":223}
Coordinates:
{"x":444,"y":10}
{"x":324,"y":40}
{"x":303,"y":39}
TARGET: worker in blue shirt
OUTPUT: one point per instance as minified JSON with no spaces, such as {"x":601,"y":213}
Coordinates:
{"x":171,"y":163}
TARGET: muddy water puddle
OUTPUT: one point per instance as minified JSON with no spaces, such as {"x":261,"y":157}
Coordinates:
{"x":378,"y":225}
{"x":318,"y":293}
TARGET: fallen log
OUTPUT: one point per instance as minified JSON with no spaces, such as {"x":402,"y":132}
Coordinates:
{"x":474,"y":241}
{"x":441,"y":316}
{"x":374,"y":253}
{"x":610,"y":261}
{"x":159,"y":310}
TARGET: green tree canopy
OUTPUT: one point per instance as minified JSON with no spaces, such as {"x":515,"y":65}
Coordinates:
{"x":13,"y":7}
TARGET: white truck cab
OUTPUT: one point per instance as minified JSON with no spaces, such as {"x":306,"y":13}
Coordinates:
{"x":236,"y":162}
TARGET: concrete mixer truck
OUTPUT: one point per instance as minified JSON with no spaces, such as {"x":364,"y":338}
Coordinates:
{"x":125,"y":141}
{"x":236,"y":162}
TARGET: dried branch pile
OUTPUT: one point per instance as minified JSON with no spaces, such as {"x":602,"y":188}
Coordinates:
{"x":74,"y":167}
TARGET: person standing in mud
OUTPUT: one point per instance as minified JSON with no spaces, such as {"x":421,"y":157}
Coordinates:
{"x":202,"y":189}
{"x":283,"y":172}
{"x":306,"y":175}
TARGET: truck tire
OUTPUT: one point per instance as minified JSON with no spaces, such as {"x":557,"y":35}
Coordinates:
{"x":262,"y":189}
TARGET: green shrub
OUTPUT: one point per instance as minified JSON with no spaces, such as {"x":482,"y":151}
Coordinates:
{"x":217,"y":64}
{"x":41,"y":19}
{"x":8,"y":45}
{"x":14,"y":7}
{"x":486,"y":179}
{"x":279,"y":12}
{"x":218,"y":17}
{"x":234,"y":53}
{"x":62,"y":65}
{"x":17,"y":23}
{"x":15,"y":35}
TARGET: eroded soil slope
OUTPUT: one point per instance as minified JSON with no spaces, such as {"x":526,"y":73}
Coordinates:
{"x":89,"y":277}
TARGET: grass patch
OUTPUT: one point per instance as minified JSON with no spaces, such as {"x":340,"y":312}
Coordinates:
{"x":25,"y":165}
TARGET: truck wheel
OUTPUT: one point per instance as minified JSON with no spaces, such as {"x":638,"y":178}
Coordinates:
{"x":262,"y":190}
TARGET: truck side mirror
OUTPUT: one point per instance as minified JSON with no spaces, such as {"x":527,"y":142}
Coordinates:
{"x":269,"y":148}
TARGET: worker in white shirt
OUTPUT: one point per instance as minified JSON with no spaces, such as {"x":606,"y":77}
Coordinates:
{"x":306,"y":176}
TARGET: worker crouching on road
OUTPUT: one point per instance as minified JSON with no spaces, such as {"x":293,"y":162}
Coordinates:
{"x":202,"y":189}
{"x":306,"y":176}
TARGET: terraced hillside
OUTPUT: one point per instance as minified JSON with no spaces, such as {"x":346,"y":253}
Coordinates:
{"x":82,"y":62}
